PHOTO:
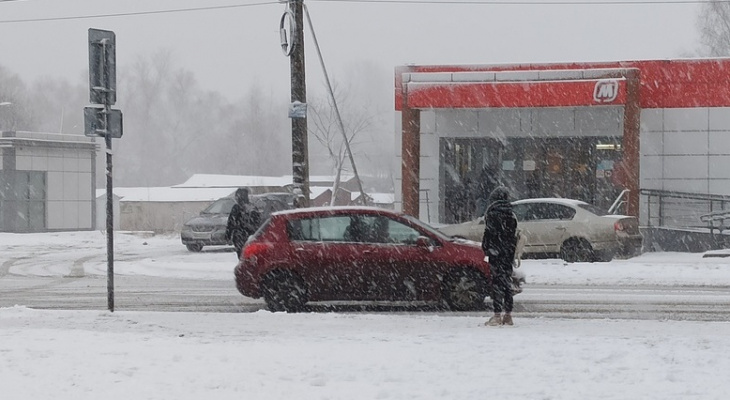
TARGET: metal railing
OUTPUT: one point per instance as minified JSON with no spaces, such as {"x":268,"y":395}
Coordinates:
{"x":620,"y":201}
{"x":668,"y":208}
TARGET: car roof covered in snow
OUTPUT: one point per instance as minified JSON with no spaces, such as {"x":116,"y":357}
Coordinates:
{"x":555,"y":200}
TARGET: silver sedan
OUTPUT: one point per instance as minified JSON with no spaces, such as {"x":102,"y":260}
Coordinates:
{"x":571,"y":229}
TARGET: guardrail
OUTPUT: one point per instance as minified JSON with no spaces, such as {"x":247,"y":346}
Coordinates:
{"x":683,"y":209}
{"x":698,"y":212}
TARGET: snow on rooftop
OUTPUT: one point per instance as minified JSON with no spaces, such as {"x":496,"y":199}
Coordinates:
{"x":316,"y":191}
{"x":234,"y":181}
{"x":377,"y":198}
{"x":325,"y":179}
{"x":169,"y":194}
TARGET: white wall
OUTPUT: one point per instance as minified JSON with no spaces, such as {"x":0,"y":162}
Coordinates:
{"x":69,"y":178}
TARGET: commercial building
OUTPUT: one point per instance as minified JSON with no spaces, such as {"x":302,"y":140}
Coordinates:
{"x":46,"y":182}
{"x":579,"y":130}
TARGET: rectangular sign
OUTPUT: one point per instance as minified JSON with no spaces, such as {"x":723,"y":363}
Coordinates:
{"x":102,"y":67}
{"x":97,"y":122}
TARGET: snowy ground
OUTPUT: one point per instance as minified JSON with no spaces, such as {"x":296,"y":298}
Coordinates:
{"x":152,"y":355}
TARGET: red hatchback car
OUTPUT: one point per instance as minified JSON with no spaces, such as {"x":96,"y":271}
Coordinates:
{"x":358,"y":254}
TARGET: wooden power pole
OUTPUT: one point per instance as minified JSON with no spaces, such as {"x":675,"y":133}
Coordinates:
{"x":300,"y":152}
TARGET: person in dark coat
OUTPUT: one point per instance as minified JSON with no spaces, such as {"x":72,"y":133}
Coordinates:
{"x":243,"y":221}
{"x":488,"y":181}
{"x":499,"y":242}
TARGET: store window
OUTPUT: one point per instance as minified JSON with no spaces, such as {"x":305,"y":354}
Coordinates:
{"x":22,"y":201}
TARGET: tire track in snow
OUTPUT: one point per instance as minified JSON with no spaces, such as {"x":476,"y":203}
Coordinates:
{"x":5,"y":267}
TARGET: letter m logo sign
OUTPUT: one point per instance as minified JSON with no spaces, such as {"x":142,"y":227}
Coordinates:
{"x":605,"y":91}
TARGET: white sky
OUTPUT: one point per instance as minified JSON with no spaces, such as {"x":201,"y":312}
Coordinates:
{"x":154,"y":355}
{"x":231,"y":49}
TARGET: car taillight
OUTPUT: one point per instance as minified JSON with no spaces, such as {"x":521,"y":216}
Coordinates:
{"x":618,"y":226}
{"x":253,"y":249}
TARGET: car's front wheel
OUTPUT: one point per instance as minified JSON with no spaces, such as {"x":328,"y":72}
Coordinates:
{"x":283,"y":291}
{"x":577,"y":250}
{"x":194,"y":247}
{"x":465,"y":289}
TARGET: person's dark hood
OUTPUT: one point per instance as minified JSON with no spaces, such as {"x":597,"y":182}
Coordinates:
{"x":241,"y":196}
{"x":501,"y":193}
{"x":499,"y":200}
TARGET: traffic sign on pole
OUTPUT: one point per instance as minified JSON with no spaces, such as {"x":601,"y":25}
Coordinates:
{"x":102,"y":67}
{"x":99,"y":120}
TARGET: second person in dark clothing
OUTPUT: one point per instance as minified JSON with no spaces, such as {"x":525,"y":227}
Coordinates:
{"x":499,"y":242}
{"x":243,"y":221}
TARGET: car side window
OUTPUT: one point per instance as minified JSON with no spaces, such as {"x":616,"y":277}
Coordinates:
{"x":354,"y":228}
{"x":327,"y":229}
{"x":306,"y":229}
{"x":335,"y":229}
{"x":557,"y":211}
{"x":400,"y":233}
{"x":526,"y":212}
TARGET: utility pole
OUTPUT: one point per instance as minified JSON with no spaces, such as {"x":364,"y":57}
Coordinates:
{"x":300,"y":152}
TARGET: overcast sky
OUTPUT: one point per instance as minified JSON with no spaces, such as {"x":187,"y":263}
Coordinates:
{"x":229,"y":49}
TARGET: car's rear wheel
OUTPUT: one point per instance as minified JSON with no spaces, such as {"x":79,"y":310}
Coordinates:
{"x":283,"y":291}
{"x":194,"y":247}
{"x":577,"y":250}
{"x":465,"y":289}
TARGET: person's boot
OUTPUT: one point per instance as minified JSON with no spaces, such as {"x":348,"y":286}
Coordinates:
{"x":507,"y":319}
{"x":496,"y":320}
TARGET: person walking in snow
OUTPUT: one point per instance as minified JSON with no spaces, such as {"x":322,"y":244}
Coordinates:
{"x":243,"y":221}
{"x":499,"y":243}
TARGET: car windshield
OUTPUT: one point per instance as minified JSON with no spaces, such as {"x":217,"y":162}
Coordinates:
{"x":220,"y":206}
{"x":593,"y":209}
{"x":427,"y":227}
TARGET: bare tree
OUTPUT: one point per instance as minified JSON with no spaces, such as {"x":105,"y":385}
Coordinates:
{"x":714,"y":26}
{"x":258,"y":140}
{"x":58,"y":105}
{"x":15,"y":111}
{"x":172,"y":127}
{"x":325,"y":128}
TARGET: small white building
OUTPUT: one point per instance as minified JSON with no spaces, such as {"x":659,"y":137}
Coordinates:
{"x":163,"y":209}
{"x":46,"y":182}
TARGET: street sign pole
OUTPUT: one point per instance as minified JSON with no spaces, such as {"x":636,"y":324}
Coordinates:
{"x":104,"y":122}
{"x":109,"y":222}
{"x":103,"y":67}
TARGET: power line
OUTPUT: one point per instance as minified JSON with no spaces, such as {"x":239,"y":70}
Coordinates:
{"x":529,"y":2}
{"x":414,"y":2}
{"x":129,"y":14}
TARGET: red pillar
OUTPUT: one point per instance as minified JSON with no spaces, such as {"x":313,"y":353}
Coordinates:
{"x":631,"y":151}
{"x":410,"y":156}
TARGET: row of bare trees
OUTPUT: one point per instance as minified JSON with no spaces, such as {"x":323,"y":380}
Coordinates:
{"x":173,"y":128}
{"x":714,"y":27}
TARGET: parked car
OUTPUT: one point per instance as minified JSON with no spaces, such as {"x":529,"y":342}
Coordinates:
{"x":209,"y":228}
{"x":358,"y":254}
{"x":571,"y":229}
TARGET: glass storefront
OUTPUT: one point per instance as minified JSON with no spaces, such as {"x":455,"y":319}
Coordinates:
{"x":571,"y":167}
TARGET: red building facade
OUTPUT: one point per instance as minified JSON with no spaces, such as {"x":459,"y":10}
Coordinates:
{"x":562,"y":130}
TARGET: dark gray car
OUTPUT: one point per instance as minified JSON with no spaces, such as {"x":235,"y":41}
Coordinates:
{"x":209,"y":228}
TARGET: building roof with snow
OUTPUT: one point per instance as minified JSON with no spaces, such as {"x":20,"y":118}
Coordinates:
{"x":234,"y":181}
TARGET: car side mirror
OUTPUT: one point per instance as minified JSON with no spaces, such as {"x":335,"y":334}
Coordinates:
{"x":423,"y":241}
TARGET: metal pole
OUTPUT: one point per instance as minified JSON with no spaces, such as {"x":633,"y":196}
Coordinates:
{"x":109,"y":220}
{"x":300,"y":152}
{"x":363,"y":196}
{"x":109,"y":187}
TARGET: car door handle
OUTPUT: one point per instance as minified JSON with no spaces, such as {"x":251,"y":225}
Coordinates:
{"x":299,"y":249}
{"x":560,"y":228}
